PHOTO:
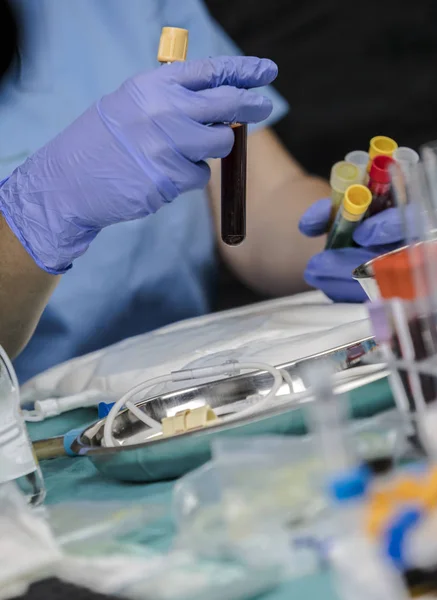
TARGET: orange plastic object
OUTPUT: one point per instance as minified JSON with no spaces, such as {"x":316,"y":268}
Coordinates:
{"x":402,"y":274}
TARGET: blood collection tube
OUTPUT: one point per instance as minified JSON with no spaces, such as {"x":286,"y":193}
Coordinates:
{"x":360,"y":159}
{"x":415,"y":335}
{"x":380,"y":145}
{"x":380,"y":184}
{"x":343,"y":175}
{"x":173,"y":45}
{"x":355,"y":203}
{"x":233,"y":189}
{"x":387,"y":285}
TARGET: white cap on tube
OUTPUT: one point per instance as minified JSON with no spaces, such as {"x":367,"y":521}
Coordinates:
{"x":360,"y":158}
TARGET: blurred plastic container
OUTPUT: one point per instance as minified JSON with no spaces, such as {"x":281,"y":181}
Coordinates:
{"x":263,"y":499}
{"x":198,"y":512}
{"x":383,"y":435}
{"x":187,"y":578}
{"x":89,"y":527}
{"x":251,"y":502}
{"x":273,"y":501}
{"x":276,"y":477}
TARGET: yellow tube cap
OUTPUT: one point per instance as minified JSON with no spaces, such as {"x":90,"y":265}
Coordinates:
{"x":344,"y":174}
{"x":381,"y":145}
{"x":357,"y":199}
{"x":173,"y":45}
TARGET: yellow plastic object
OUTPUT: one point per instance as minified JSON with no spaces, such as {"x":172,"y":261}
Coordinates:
{"x":173,"y":45}
{"x":343,"y":174}
{"x":408,"y":489}
{"x":377,"y":517}
{"x":188,"y":420}
{"x":404,"y":491}
{"x":381,"y":145}
{"x":356,"y":201}
{"x":429,"y":494}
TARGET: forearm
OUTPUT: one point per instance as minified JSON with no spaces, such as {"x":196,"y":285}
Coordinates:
{"x":24,"y":292}
{"x":274,"y":255}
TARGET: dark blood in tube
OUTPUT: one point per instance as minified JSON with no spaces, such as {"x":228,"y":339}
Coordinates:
{"x":234,"y":189}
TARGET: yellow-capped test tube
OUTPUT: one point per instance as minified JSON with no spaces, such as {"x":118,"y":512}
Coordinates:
{"x":343,"y":175}
{"x":356,"y":201}
{"x":173,"y":45}
{"x":380,"y":145}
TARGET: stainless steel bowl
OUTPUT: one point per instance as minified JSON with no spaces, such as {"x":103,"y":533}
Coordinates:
{"x":366,"y":278}
{"x":139,"y":457}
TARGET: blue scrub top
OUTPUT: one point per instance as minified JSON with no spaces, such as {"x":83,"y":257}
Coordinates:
{"x":135,"y":276}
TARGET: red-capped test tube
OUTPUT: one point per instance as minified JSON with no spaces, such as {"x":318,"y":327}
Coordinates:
{"x":380,"y":184}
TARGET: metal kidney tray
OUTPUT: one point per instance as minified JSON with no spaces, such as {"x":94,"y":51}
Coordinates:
{"x":137,"y":458}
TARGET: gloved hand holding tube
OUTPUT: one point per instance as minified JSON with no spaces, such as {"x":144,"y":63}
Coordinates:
{"x":331,"y":270}
{"x":130,"y":153}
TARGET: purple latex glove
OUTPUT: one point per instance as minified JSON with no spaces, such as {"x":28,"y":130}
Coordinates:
{"x":133,"y":151}
{"x":331,"y":270}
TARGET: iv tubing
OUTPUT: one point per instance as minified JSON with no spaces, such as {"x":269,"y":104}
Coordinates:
{"x":184,"y":375}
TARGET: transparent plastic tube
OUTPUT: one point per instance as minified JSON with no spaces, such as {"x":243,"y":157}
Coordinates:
{"x":428,"y":153}
{"x":328,"y":418}
{"x":383,"y":330}
{"x":233,"y":368}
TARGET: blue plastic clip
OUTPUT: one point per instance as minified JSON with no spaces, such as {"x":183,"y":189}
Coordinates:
{"x":396,"y":534}
{"x":104,"y":409}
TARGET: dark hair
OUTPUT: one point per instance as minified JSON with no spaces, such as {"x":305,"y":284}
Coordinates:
{"x":8,"y":37}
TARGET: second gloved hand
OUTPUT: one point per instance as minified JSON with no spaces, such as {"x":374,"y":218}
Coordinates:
{"x":331,"y":270}
{"x":133,"y":151}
